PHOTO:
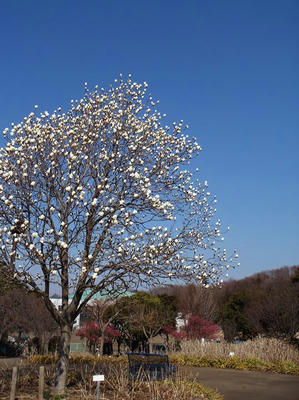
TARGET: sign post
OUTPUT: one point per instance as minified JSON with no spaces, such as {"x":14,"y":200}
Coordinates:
{"x":98,"y":379}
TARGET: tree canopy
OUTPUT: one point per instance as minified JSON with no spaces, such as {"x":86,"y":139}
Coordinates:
{"x":100,"y":197}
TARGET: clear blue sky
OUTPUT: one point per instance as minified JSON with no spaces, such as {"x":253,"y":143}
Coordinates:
{"x":227,"y":68}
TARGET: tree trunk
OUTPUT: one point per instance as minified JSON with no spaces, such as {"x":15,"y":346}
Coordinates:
{"x":63,"y":360}
{"x":44,"y":343}
{"x":150,"y":344}
{"x":167,"y":342}
{"x":101,"y":348}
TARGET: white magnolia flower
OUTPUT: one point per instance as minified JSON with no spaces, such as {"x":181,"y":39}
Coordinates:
{"x":62,"y":244}
{"x":123,"y":163}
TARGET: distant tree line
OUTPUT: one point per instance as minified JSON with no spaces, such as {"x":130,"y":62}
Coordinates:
{"x":265,"y":304}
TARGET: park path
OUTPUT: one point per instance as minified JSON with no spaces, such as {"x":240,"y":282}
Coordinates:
{"x":245,"y":385}
{"x":232,"y":384}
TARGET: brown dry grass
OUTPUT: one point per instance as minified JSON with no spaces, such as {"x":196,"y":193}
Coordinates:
{"x":115,"y":387}
{"x":265,"y":349}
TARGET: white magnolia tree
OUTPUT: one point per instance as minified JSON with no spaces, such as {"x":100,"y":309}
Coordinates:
{"x":99,"y":199}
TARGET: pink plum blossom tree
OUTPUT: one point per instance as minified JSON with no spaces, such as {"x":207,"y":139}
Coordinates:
{"x":100,"y":199}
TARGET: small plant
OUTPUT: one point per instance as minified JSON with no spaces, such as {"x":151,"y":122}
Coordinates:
{"x":49,"y":396}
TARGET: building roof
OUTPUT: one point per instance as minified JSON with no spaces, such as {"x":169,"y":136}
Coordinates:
{"x":97,"y":296}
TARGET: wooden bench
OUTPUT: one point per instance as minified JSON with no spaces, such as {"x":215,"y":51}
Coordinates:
{"x":145,"y":366}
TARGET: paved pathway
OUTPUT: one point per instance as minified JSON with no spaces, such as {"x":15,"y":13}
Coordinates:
{"x":246,"y":385}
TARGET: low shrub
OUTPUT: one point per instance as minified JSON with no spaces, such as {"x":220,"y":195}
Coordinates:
{"x":89,"y":364}
{"x":78,"y":359}
{"x":249,"y":364}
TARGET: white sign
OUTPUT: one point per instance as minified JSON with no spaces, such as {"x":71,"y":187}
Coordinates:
{"x":98,"y":378}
